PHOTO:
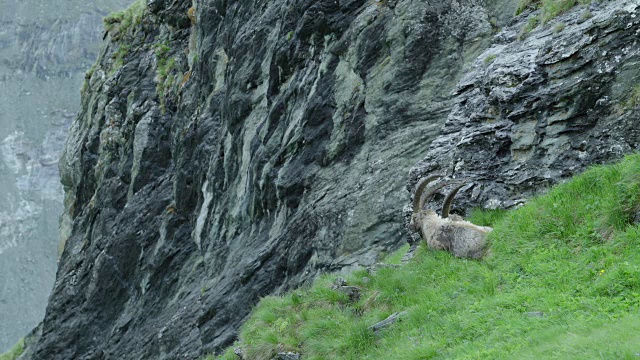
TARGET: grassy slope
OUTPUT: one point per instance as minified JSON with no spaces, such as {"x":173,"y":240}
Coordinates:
{"x":562,"y":280}
{"x":16,"y":351}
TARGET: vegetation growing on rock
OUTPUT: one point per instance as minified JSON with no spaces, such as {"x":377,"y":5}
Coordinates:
{"x":165,"y":65}
{"x":284,"y":156}
{"x":123,"y":21}
{"x":550,"y":8}
{"x":634,"y":98}
{"x":531,"y":24}
{"x":119,"y":55}
{"x":122,"y":25}
{"x":489,"y":59}
{"x":15,"y":352}
{"x":562,"y":281}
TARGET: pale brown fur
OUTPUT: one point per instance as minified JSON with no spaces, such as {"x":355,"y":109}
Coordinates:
{"x":460,"y":237}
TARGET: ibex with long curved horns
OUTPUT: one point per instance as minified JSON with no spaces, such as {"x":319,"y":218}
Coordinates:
{"x":451,"y":233}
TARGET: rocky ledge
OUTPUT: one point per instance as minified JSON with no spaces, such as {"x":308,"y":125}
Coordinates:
{"x":538,"y":107}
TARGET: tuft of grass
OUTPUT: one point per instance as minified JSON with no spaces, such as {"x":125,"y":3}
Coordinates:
{"x":121,"y":22}
{"x":119,"y":55}
{"x":586,"y":15}
{"x":395,"y":258}
{"x":550,"y":8}
{"x":164,"y":78}
{"x":525,"y":4}
{"x":489,"y":59}
{"x":561,"y":281}
{"x":559,"y":27}
{"x":15,"y":351}
{"x":634,"y":98}
{"x":486,"y":217}
{"x":553,"y":8}
{"x":531,"y":24}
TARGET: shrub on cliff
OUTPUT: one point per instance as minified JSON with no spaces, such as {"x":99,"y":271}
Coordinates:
{"x":562,"y":280}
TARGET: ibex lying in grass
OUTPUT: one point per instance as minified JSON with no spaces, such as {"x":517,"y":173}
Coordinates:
{"x":445,"y":232}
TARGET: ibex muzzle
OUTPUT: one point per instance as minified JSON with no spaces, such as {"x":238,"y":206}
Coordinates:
{"x":453,"y":234}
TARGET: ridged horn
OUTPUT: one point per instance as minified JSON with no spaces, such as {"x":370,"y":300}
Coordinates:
{"x":422,"y":184}
{"x":448,"y":201}
{"x":428,"y":194}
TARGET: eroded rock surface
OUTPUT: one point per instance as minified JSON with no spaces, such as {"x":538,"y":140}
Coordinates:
{"x":237,"y":149}
{"x":537,"y":108}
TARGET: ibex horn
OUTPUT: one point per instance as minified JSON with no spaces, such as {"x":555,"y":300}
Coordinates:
{"x":422,"y":184}
{"x":428,"y":194}
{"x":448,"y":201}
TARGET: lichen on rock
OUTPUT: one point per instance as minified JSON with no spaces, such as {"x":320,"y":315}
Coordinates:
{"x":276,"y":146}
{"x":543,"y":109}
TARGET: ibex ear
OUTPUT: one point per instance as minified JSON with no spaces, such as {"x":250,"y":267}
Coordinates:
{"x":448,"y":201}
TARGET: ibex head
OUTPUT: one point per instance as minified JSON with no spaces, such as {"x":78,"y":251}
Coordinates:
{"x":454,"y":234}
{"x":424,"y":194}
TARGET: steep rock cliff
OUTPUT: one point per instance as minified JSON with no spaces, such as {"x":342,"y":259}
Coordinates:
{"x":45,"y":50}
{"x":536,"y":108}
{"x":227,"y":150}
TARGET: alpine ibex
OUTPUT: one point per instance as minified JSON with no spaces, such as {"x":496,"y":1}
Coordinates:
{"x":451,"y":233}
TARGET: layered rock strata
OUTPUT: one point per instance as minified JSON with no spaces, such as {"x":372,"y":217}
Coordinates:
{"x":231,"y":149}
{"x":538,"y":107}
{"x":228,"y":150}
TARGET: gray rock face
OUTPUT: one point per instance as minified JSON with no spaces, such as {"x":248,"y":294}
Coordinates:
{"x":45,"y":49}
{"x":239,"y":148}
{"x":236,"y":150}
{"x":533,"y":112}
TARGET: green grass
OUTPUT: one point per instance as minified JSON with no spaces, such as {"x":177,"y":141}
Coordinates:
{"x":119,"y":55}
{"x":164,"y":79}
{"x":486,"y":217}
{"x":550,"y":8}
{"x":121,"y":22}
{"x":16,"y":351}
{"x":634,"y":98}
{"x":165,"y":63}
{"x":489,"y":59}
{"x":559,"y":27}
{"x":561,"y":281}
{"x":531,"y":24}
{"x":123,"y":25}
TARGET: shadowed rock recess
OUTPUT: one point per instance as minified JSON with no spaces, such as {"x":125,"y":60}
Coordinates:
{"x":533,"y":112}
{"x":231,"y":149}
